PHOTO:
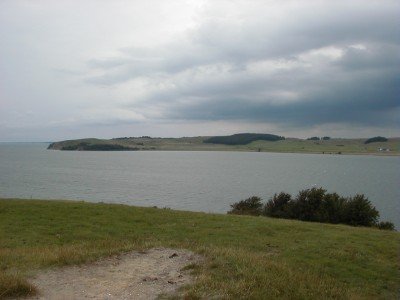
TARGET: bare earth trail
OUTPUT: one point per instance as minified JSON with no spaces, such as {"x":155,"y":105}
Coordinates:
{"x":135,"y":275}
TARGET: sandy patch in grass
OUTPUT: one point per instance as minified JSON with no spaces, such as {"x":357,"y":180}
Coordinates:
{"x":135,"y":275}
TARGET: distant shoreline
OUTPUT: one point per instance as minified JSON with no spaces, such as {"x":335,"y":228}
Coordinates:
{"x":391,"y":154}
{"x":250,"y":144}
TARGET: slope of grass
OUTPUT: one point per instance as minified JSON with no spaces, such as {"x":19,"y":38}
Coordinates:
{"x":333,"y":146}
{"x":246,"y":257}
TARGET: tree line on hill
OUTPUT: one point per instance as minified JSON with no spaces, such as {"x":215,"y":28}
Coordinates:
{"x":317,"y":138}
{"x":97,"y":147}
{"x":243,"y":138}
{"x":368,"y":141}
{"x":376,"y":139}
{"x":314,"y":205}
{"x":247,"y":138}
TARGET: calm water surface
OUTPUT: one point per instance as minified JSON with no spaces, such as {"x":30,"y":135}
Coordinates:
{"x":197,"y":181}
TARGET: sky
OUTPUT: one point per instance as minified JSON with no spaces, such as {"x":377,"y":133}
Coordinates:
{"x":76,"y":69}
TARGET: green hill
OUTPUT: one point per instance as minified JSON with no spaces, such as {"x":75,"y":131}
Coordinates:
{"x":236,"y":142}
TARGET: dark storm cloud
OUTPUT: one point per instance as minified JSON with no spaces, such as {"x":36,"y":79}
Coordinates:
{"x":354,"y":92}
{"x":368,"y":101}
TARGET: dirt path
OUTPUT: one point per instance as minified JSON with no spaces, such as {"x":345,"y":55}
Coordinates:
{"x":129,"y":276}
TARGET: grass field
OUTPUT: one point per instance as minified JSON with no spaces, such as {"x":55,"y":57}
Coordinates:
{"x":333,"y":146}
{"x":246,"y":257}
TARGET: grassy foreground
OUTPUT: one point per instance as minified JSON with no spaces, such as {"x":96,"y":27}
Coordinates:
{"x":246,"y":257}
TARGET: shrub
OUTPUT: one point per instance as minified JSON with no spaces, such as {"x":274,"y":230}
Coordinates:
{"x":317,"y":206}
{"x":332,"y":209}
{"x":359,"y":211}
{"x":385,"y":225}
{"x":14,"y":286}
{"x":249,"y":206}
{"x":278,"y":206}
{"x":307,"y":204}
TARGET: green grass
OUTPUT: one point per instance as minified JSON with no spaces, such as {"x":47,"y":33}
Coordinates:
{"x":245,"y":257}
{"x":333,"y":146}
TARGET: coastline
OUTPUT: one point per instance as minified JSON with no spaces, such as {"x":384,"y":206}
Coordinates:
{"x":382,"y":154}
{"x":290,"y":145}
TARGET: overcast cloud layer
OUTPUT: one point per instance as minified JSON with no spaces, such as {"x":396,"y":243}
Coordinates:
{"x":71,"y":69}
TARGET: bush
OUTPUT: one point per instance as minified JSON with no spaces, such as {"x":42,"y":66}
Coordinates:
{"x":385,"y":225}
{"x":359,"y":211}
{"x":278,"y":206}
{"x":315,"y":205}
{"x":250,"y":206}
{"x":307,"y":204}
{"x":332,"y":209}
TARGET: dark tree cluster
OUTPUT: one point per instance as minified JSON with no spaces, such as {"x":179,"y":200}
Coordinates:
{"x":243,"y":138}
{"x":376,"y":139}
{"x":132,"y":137}
{"x":317,"y":138}
{"x":315,"y":205}
{"x":97,"y":147}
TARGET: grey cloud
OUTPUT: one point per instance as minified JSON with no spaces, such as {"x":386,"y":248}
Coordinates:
{"x":376,"y":56}
{"x":328,"y":96}
{"x":215,"y":41}
{"x":140,"y":62}
{"x":108,"y":63}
